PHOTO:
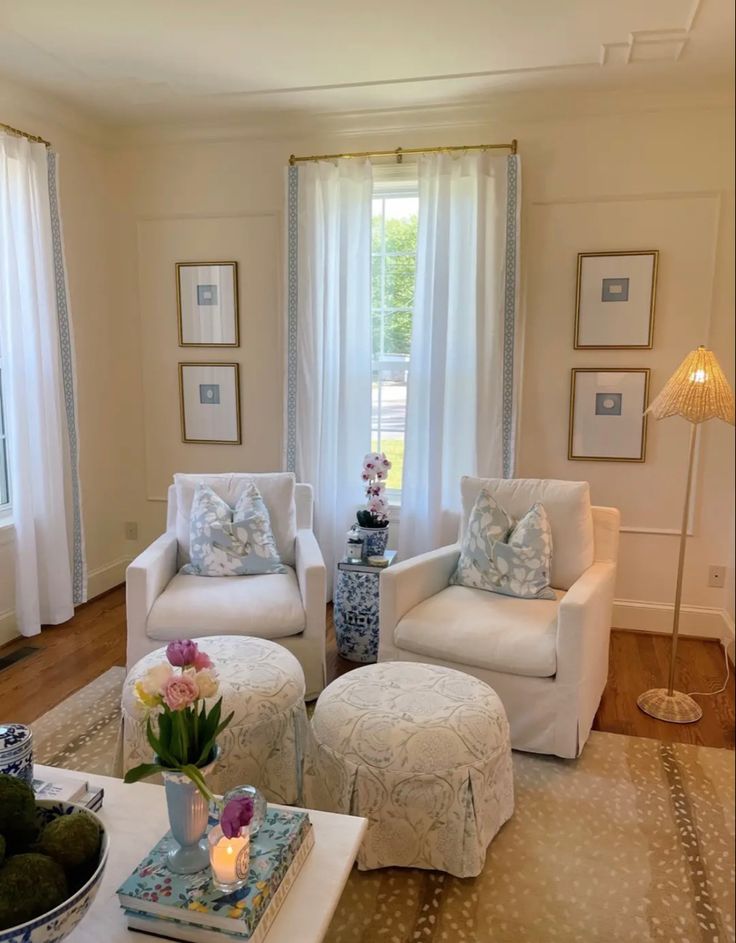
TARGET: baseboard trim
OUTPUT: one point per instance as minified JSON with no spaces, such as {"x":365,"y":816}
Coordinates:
{"x":99,"y":581}
{"x":107,"y":577}
{"x":698,"y":621}
{"x":8,"y":627}
{"x":730,"y":637}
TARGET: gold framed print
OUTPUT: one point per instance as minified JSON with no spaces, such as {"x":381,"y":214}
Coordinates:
{"x":209,"y":399}
{"x":614,"y":300}
{"x":207,"y":304}
{"x":607,"y":421}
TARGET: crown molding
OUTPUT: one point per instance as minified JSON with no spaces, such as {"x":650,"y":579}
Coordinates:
{"x":517,"y":108}
{"x":48,"y":116}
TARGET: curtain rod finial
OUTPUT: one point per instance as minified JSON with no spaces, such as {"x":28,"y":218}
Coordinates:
{"x":514,"y":146}
{"x":292,"y":160}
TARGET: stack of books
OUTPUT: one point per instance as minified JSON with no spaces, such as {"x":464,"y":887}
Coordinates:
{"x":190,"y":907}
{"x":70,"y":790}
{"x":365,"y":567}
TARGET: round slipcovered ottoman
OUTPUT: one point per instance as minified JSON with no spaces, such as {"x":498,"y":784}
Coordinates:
{"x":423,"y":753}
{"x":263,"y":684}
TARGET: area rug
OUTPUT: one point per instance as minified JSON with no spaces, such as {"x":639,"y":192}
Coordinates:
{"x":84,"y":731}
{"x":632,"y":842}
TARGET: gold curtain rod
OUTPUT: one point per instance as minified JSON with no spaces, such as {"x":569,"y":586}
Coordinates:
{"x":399,"y":152}
{"x":24,"y":134}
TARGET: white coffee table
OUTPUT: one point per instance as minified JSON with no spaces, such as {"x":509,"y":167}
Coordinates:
{"x":136,"y":818}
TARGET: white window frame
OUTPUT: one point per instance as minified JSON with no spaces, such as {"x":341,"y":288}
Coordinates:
{"x":394,"y":183}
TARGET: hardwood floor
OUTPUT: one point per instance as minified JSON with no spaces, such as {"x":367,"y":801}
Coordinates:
{"x":70,"y":656}
{"x":639,"y":661}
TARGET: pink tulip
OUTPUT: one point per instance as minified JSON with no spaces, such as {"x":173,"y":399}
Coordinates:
{"x":201,"y":660}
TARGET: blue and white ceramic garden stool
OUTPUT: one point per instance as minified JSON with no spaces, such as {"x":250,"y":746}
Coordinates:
{"x":355,"y":610}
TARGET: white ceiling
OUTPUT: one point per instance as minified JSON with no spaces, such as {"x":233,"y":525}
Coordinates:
{"x":141,"y":61}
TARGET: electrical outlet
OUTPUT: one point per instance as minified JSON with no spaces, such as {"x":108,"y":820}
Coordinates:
{"x":716,"y":576}
{"x":131,"y":530}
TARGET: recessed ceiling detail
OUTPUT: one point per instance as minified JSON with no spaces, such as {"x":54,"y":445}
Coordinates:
{"x":646,"y":46}
{"x":183,"y":60}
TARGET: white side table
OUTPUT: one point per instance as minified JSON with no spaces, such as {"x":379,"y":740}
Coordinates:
{"x":355,"y":609}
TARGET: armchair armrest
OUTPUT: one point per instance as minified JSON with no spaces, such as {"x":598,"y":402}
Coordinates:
{"x":145,"y":579}
{"x":406,"y":584}
{"x":311,"y":575}
{"x":584,"y":624}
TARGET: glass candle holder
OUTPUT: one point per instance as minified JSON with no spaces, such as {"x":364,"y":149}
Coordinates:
{"x":259,"y":805}
{"x":229,"y":859}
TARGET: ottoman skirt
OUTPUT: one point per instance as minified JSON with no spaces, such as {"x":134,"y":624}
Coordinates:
{"x":422,"y":752}
{"x":263,"y":746}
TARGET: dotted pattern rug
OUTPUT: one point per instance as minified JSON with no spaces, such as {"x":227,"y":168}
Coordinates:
{"x":84,"y":732}
{"x":632,"y":842}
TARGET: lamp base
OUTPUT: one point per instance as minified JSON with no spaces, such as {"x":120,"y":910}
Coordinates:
{"x":675,"y":708}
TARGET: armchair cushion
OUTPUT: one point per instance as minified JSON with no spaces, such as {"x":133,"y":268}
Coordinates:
{"x":276,"y":489}
{"x":567,"y":504}
{"x":268,"y":606}
{"x":465,"y":626}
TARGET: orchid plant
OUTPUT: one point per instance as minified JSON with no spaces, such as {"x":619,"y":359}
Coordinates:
{"x":375,"y":472}
{"x":187,"y":732}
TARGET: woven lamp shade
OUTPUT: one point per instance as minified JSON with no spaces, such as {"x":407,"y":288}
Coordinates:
{"x":697,"y":391}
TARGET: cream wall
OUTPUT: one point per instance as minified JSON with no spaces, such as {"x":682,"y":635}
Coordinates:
{"x":661,"y":178}
{"x":87,"y":224}
{"x":610,"y":174}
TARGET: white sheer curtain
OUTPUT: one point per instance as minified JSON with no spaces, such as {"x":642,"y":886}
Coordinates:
{"x":458,"y":401}
{"x":33,"y":388}
{"x":333,"y":378}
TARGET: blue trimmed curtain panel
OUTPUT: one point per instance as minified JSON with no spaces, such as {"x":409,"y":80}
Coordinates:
{"x":329,"y":330}
{"x":36,"y":347}
{"x":460,"y":415}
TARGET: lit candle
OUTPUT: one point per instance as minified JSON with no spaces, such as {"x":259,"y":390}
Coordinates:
{"x":229,"y":858}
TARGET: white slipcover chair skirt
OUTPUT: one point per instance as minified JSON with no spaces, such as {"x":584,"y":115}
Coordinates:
{"x":263,"y":684}
{"x":423,"y":753}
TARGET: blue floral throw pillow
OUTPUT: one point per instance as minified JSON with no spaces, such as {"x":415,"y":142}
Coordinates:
{"x":231,"y":542}
{"x":501,"y":556}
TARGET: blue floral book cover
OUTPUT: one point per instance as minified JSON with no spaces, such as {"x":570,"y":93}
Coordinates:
{"x":192,"y":898}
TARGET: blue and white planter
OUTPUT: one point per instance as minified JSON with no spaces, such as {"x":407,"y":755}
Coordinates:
{"x":16,"y":751}
{"x":375,"y":540}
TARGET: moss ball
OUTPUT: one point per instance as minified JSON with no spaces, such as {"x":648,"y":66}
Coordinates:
{"x":72,"y":840}
{"x":30,"y":885}
{"x":18,"y":817}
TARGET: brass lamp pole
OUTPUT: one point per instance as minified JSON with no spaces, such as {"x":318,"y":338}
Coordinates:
{"x":697,"y":391}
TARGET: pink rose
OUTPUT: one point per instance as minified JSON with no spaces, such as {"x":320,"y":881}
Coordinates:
{"x":179,"y":692}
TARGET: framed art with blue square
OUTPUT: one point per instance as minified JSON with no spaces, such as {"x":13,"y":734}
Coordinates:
{"x":614,"y":300}
{"x":207,"y":304}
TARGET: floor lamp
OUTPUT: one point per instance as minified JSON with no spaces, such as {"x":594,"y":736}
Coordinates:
{"x":697,"y":391}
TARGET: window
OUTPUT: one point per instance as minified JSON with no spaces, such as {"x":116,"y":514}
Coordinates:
{"x":394,"y":258}
{"x":4,"y":483}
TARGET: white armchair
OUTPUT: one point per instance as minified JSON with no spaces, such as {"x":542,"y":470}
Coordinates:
{"x":546,"y":659}
{"x":287,"y":608}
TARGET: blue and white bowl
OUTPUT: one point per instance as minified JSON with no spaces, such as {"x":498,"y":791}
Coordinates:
{"x":16,"y":751}
{"x":54,"y":926}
